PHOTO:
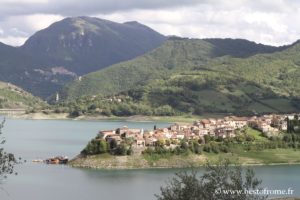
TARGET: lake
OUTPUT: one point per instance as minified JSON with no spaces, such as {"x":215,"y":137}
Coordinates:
{"x":32,"y":139}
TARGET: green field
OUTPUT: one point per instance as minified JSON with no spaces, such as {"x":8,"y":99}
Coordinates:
{"x":256,"y":134}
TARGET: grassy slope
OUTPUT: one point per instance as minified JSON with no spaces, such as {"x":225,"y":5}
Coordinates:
{"x":157,"y":64}
{"x":174,"y":55}
{"x":14,"y":97}
{"x":189,"y":76}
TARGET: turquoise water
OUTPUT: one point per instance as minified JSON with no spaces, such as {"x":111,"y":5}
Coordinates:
{"x":33,"y":139}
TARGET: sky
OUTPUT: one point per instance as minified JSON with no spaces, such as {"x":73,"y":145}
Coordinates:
{"x":273,"y":22}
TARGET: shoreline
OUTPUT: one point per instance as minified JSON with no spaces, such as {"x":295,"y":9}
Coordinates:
{"x":139,"y":162}
{"x":134,"y":118}
{"x":158,"y":167}
{"x":150,"y":168}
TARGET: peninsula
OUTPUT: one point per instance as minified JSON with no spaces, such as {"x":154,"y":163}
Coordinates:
{"x":267,"y":139}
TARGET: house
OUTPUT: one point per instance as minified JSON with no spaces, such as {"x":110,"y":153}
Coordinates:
{"x":239,"y":122}
{"x":129,"y":135}
{"x":202,"y":132}
{"x":151,"y":141}
{"x":279,"y":122}
{"x":212,"y":120}
{"x":122,"y":130}
{"x":135,"y":130}
{"x":105,"y":133}
{"x":139,"y":142}
{"x":283,"y":125}
{"x":264,"y":127}
{"x":206,"y":123}
{"x":225,"y":132}
{"x":180,"y":135}
{"x":174,"y":127}
{"x":115,"y":137}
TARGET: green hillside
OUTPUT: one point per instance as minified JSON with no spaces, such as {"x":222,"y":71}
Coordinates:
{"x":197,"y":76}
{"x":12,"y":97}
{"x":173,"y":56}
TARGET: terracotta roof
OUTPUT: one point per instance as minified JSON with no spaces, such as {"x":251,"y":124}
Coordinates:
{"x":205,"y":121}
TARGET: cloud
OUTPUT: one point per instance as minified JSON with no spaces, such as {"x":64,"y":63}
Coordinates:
{"x":86,"y":7}
{"x":16,"y":29}
{"x":263,"y":21}
{"x":205,"y":21}
{"x":13,"y":41}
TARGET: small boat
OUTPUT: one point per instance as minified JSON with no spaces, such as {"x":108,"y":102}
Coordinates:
{"x":57,"y":160}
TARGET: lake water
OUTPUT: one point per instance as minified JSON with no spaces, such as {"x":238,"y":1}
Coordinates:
{"x":33,"y":139}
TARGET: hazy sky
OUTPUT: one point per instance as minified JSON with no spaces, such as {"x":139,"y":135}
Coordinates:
{"x":265,"y":21}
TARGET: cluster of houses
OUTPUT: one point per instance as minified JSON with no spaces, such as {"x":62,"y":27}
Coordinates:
{"x":225,"y":127}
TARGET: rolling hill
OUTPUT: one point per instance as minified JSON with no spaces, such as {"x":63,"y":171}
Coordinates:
{"x":13,"y":97}
{"x":196,"y":76}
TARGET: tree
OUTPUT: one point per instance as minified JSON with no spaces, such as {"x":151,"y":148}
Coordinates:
{"x":121,"y":149}
{"x":7,"y":160}
{"x":113,"y":144}
{"x":160,"y":143}
{"x":103,"y":147}
{"x":214,"y":184}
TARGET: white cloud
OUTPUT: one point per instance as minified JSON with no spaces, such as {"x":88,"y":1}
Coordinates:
{"x":41,"y":21}
{"x":13,"y":41}
{"x":205,"y":21}
{"x":16,"y":29}
{"x":264,"y":21}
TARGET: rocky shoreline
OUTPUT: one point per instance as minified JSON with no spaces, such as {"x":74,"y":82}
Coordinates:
{"x":140,"y":162}
{"x":135,"y":162}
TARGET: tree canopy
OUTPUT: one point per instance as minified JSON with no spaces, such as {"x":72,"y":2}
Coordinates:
{"x":220,"y":181}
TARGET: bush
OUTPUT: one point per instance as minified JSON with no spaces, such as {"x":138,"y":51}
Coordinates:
{"x":75,"y":113}
{"x":220,"y":177}
{"x":197,"y":148}
{"x":207,"y":148}
{"x":165,"y":110}
{"x":129,"y":151}
{"x":95,"y":146}
{"x":121,"y":149}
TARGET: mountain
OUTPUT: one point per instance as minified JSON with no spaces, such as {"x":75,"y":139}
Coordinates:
{"x":72,"y":47}
{"x":85,"y":44}
{"x":30,"y":72}
{"x":14,"y":97}
{"x":175,"y":55}
{"x":241,"y":48}
{"x":196,"y":76}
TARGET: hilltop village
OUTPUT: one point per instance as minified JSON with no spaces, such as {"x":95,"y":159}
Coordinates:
{"x":269,"y":125}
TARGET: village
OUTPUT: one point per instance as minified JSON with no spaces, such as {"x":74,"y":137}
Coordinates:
{"x":269,"y":125}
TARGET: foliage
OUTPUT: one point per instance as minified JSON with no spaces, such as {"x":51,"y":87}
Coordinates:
{"x":122,"y":150}
{"x":293,"y":125}
{"x":7,"y":160}
{"x":101,"y":146}
{"x":13,"y":97}
{"x":195,"y":77}
{"x":213,"y":184}
{"x":95,"y":146}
